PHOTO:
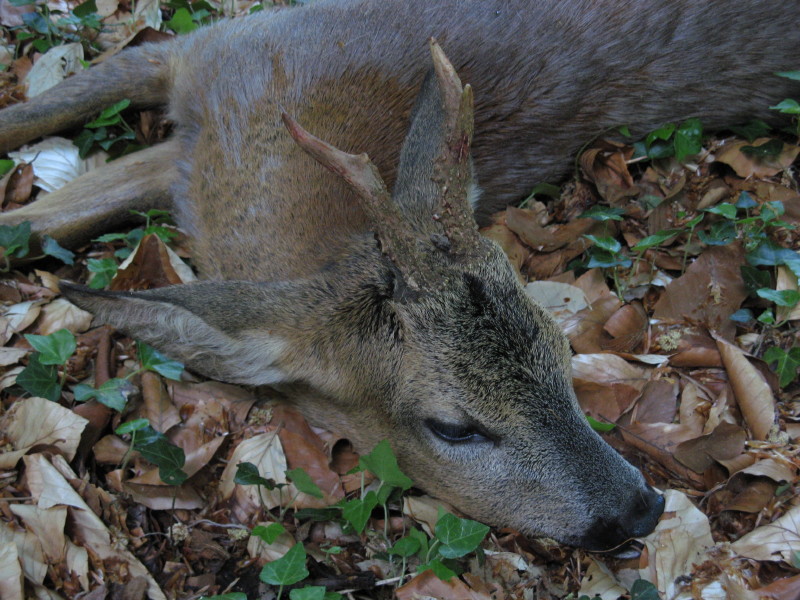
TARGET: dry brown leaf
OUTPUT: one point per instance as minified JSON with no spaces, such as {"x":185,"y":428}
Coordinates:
{"x":680,"y":540}
{"x":428,"y":585}
{"x":19,"y":317}
{"x":778,"y":540}
{"x":259,"y":549}
{"x":264,"y":451}
{"x":149,"y":490}
{"x":425,"y":511}
{"x":512,"y":246}
{"x":752,"y":393}
{"x":48,"y":526}
{"x":709,"y":292}
{"x":62,"y":314}
{"x":787,"y":588}
{"x":525,"y":224}
{"x":659,"y":441}
{"x":786,"y":280}
{"x":658,"y":402}
{"x":157,"y":406}
{"x":148,"y":267}
{"x":11,"y":356}
{"x":39,"y":422}
{"x":598,"y":581}
{"x":608,"y":369}
{"x":11,"y":579}
{"x":690,"y":414}
{"x":28,"y":551}
{"x":561,"y":300}
{"x":754,"y":497}
{"x":748,"y":166}
{"x":724,"y":443}
{"x":302,"y":452}
{"x":778,"y":471}
{"x":607,"y":168}
{"x":49,"y":488}
{"x":213,"y":400}
{"x":585,"y":329}
{"x":603,"y":401}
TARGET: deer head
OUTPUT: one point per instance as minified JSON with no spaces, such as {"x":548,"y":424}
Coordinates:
{"x":419,"y":333}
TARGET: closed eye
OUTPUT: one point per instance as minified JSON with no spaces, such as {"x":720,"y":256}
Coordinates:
{"x":456,"y":433}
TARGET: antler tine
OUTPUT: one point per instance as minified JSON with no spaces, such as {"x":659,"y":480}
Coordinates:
{"x":453,"y":168}
{"x":361,"y":174}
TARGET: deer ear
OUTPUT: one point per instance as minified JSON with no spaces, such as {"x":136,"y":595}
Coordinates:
{"x":219,"y":329}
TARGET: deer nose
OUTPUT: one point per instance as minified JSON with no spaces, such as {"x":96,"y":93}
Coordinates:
{"x":638,"y":520}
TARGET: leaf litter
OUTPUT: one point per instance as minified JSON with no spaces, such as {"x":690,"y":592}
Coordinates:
{"x":657,"y":356}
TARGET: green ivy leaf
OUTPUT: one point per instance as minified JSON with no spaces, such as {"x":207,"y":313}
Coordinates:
{"x":786,"y":363}
{"x":609,"y":244}
{"x":771,"y":254}
{"x":766,"y":150}
{"x":754,"y":278}
{"x":288,"y":569}
{"x":153,"y":360}
{"x":114,"y":393}
{"x":268,"y":533}
{"x":110,"y":115}
{"x":6,"y":165}
{"x":643,"y":590}
{"x":405,"y":547}
{"x":182,"y":22}
{"x":40,"y":380}
{"x":131,"y":426}
{"x":787,"y":298}
{"x":752,"y":130}
{"x":688,"y":139}
{"x":247,"y":474}
{"x":787,"y":107}
{"x":169,"y":458}
{"x":745,"y":200}
{"x":303,"y":482}
{"x":458,"y":536}
{"x":662,"y":133}
{"x":439,"y":569}
{"x":599,"y":425}
{"x":313,"y":592}
{"x":358,"y":511}
{"x":382,"y":463}
{"x":656,"y":239}
{"x":724,"y":209}
{"x":15,"y":239}
{"x":603,"y":213}
{"x":54,"y":349}
{"x":52,"y":248}
{"x":607,"y":260}
{"x":103,"y":270}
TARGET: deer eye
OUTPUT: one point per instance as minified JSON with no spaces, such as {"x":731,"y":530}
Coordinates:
{"x":456,"y":433}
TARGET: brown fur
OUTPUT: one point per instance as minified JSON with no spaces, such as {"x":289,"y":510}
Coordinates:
{"x":323,"y":313}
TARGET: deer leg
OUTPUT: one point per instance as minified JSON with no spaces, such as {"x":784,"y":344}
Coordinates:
{"x":103,"y":198}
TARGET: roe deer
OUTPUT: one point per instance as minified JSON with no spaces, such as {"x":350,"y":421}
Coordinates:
{"x":390,"y":317}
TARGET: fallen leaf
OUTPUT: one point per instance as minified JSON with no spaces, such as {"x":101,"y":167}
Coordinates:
{"x":62,"y":314}
{"x":749,"y":166}
{"x":428,"y":585}
{"x":561,"y":300}
{"x":53,"y":67}
{"x":724,"y":443}
{"x":39,"y":422}
{"x":679,"y":540}
{"x":778,"y":540}
{"x":709,"y":292}
{"x":56,"y":162}
{"x":752,"y":393}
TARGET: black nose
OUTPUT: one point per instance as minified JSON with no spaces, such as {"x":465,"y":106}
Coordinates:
{"x":638,"y":520}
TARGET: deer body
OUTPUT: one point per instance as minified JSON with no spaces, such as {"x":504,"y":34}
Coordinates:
{"x":424,"y":337}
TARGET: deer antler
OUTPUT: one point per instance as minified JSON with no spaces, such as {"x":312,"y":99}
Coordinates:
{"x":453,"y":168}
{"x":361,"y":174}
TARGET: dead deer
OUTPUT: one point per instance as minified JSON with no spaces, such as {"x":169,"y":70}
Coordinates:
{"x":389,"y":316}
